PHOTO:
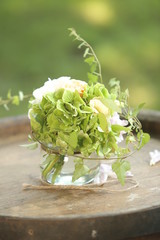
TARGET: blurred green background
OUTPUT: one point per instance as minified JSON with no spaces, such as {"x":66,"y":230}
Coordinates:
{"x":35,"y":45}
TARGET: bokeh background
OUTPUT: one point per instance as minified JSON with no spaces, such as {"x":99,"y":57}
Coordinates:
{"x":35,"y":45}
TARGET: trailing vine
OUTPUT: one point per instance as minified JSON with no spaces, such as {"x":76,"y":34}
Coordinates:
{"x":90,"y":57}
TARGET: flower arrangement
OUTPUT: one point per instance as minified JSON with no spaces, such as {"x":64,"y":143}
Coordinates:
{"x":71,"y":117}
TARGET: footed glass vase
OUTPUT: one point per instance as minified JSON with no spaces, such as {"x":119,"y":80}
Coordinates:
{"x":68,"y":170}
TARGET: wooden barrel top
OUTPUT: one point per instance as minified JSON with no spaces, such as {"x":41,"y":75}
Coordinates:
{"x":75,"y":214}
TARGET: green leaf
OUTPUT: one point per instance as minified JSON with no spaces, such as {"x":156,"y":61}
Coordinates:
{"x":36,"y":126}
{"x":112,"y":142}
{"x":50,"y":97}
{"x":92,"y":78}
{"x":114,"y":82}
{"x":72,"y":140}
{"x":15,"y":100}
{"x":86,"y":109}
{"x":120,"y":167}
{"x":39,"y":117}
{"x":92,"y":122}
{"x":103,"y":121}
{"x":111,"y":104}
{"x":99,"y":90}
{"x":119,"y":128}
{"x":65,"y":139}
{"x":80,"y":169}
{"x":90,"y":60}
{"x":70,"y":109}
{"x":67,"y":96}
{"x":84,"y":123}
{"x":93,"y":68}
{"x":78,"y":101}
{"x":87,"y":141}
{"x":30,"y":146}
{"x":53,"y":122}
{"x":60,"y":106}
{"x":143,"y":138}
{"x":59,"y":93}
{"x":61,"y":143}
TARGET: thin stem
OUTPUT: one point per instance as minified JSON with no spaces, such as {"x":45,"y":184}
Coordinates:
{"x":58,"y":168}
{"x":50,"y":166}
{"x":86,"y":44}
{"x":99,"y":65}
{"x":10,"y":100}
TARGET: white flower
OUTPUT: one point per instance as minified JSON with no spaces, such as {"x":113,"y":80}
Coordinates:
{"x":55,"y":84}
{"x":115,"y":120}
{"x":98,"y":106}
{"x":106,"y":172}
{"x":155,"y":157}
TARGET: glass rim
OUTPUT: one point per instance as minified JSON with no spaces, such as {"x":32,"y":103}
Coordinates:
{"x":55,"y":150}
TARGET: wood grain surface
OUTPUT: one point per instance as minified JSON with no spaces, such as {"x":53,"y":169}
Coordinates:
{"x":75,"y":214}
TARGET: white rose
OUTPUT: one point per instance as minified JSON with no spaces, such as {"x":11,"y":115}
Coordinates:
{"x":98,"y":106}
{"x":55,"y":84}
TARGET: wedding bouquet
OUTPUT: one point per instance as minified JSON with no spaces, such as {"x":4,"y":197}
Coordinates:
{"x":71,"y":117}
